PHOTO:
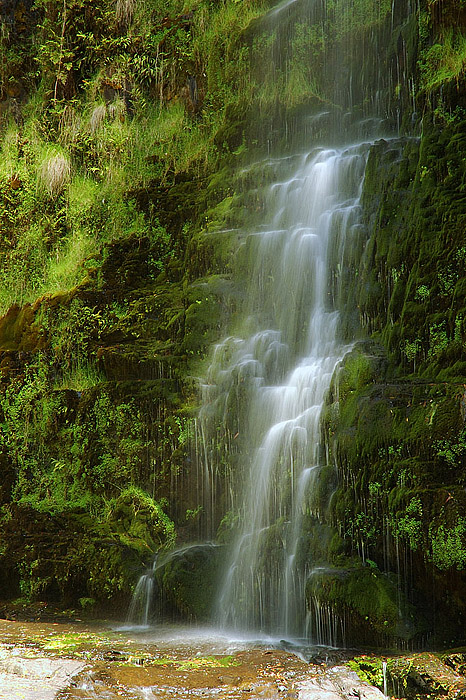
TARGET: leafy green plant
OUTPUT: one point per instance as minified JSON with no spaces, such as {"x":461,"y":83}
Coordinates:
{"x":448,"y":545}
{"x":412,"y":349}
{"x":438,"y":338}
{"x":422,"y":292}
{"x":408,"y":525}
{"x":444,"y":62}
{"x":452,"y":450}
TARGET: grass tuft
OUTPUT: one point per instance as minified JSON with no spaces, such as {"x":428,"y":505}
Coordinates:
{"x":54,"y":174}
{"x":97,"y":118}
{"x":124,"y":11}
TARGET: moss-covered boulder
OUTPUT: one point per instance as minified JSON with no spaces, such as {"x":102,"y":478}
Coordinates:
{"x":370,"y":603}
{"x":188,"y":580}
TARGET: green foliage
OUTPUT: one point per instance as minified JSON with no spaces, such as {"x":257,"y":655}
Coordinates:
{"x":411,"y":349}
{"x":228,"y":68}
{"x":408,"y":523}
{"x":422,"y":292}
{"x":357,"y":16}
{"x":295,"y":82}
{"x":452,"y":450}
{"x":193,"y":514}
{"x":438,"y":338}
{"x":362,"y":528}
{"x":72,"y":328}
{"x":368,"y":669}
{"x":445,"y":61}
{"x":138,"y":516}
{"x":98,"y":450}
{"x":449,"y":544}
{"x":82,"y":375}
{"x":113,"y":115}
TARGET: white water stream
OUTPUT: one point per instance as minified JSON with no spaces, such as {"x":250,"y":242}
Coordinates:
{"x":139,"y":613}
{"x":276,"y":374}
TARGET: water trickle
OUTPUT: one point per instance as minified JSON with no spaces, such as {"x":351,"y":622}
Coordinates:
{"x":267,"y":385}
{"x":140,"y":608}
{"x":384,"y":672}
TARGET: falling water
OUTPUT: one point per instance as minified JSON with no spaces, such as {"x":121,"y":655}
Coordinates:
{"x":264,"y":475}
{"x":274,"y":377}
{"x":141,"y":603}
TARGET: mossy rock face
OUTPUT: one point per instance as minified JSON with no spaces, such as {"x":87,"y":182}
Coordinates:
{"x":401,"y":497}
{"x":415,"y":217}
{"x":372,"y":607}
{"x":126,"y":262}
{"x":73,"y":555}
{"x":395,"y":419}
{"x":188,"y":580}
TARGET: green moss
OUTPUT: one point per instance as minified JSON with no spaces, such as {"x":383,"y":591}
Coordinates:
{"x":368,"y":601}
{"x":69,"y":557}
{"x":369,"y":669}
{"x":189,"y":578}
{"x":137,"y":516}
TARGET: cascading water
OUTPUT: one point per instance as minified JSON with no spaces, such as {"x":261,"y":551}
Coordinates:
{"x":277,"y":374}
{"x":140,"y":608}
{"x":265,"y":476}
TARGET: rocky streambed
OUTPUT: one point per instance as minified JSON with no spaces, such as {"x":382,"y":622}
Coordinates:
{"x":66,"y":660}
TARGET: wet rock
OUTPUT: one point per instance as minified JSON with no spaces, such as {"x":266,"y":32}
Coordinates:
{"x":188,"y":579}
{"x":368,"y":600}
{"x":337,"y":683}
{"x":115,"y":655}
{"x":36,"y":678}
{"x":457,"y":661}
{"x":228,"y":679}
{"x":425,"y":674}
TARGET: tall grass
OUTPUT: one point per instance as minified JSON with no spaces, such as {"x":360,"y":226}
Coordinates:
{"x":66,"y":268}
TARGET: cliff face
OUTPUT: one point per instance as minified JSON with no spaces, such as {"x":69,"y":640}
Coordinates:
{"x":123,"y":129}
{"x":395,"y":421}
{"x":111,"y":129}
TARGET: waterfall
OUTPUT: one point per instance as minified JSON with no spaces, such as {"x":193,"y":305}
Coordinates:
{"x":269,"y":384}
{"x":264,"y":475}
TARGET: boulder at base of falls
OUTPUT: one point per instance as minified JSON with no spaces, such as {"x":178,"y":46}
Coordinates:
{"x":188,"y":580}
{"x":424,"y":675}
{"x":364,"y":602}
